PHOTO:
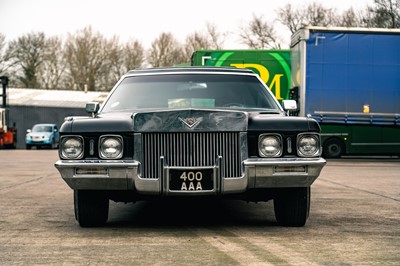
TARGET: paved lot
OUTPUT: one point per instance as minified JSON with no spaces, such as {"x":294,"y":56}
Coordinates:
{"x":354,"y":220}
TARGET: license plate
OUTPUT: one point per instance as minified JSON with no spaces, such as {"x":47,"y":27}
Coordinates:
{"x":191,"y":180}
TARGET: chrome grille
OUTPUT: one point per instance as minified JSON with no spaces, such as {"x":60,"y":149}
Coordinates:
{"x":191,"y":149}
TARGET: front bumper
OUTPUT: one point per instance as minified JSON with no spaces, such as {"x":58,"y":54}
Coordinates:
{"x":124,"y":175}
{"x":45,"y":141}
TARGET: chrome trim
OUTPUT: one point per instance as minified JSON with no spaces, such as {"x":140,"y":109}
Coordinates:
{"x":190,"y":149}
{"x":289,"y":145}
{"x":101,"y":155}
{"x":262,"y":174}
{"x":316,"y":154}
{"x":61,"y":144}
{"x":280,"y":145}
{"x":120,"y":174}
{"x":258,"y":173}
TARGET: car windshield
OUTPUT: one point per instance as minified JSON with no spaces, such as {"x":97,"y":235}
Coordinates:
{"x":190,"y":91}
{"x":41,"y":128}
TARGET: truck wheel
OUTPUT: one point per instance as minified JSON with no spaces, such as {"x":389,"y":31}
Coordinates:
{"x":91,"y":207}
{"x":333,"y":148}
{"x":292,"y":206}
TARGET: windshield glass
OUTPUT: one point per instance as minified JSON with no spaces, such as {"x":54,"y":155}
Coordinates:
{"x":41,"y":128}
{"x":190,"y":91}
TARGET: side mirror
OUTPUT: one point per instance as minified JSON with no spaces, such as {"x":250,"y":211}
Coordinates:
{"x":92,"y":108}
{"x":28,"y":131}
{"x":289,"y":105}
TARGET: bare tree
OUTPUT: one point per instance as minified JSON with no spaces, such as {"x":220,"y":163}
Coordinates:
{"x":111,"y":68}
{"x":318,"y":15}
{"x":259,"y":34}
{"x":211,"y":39}
{"x":134,"y":55}
{"x":290,"y":17}
{"x":27,"y":53}
{"x":216,"y":37}
{"x":165,"y":51}
{"x":119,"y":60}
{"x":85,"y":54}
{"x":366,"y":18}
{"x":350,"y":18}
{"x":314,"y":14}
{"x":386,"y":13}
{"x":53,"y":67}
{"x":4,"y":56}
{"x":196,"y":41}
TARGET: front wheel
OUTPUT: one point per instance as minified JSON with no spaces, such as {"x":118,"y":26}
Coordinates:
{"x":292,"y":206}
{"x":333,"y":148}
{"x":91,"y":207}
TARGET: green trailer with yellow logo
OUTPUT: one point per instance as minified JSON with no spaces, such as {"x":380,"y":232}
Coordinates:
{"x":273,"y":66}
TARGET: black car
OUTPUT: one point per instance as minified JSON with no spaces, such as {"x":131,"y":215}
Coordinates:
{"x":190,"y":132}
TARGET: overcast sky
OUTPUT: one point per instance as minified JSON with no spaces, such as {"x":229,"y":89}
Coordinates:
{"x":144,"y":20}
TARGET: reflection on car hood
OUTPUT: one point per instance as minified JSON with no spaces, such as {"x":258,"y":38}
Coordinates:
{"x":190,"y":120}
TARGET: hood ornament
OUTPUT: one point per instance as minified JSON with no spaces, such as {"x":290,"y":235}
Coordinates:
{"x":191,"y":122}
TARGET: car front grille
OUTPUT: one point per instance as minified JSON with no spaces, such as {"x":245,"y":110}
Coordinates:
{"x":189,"y":149}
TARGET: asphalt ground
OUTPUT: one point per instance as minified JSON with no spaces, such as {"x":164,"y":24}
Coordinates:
{"x":354,"y":220}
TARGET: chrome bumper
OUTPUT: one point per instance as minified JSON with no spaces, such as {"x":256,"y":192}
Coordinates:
{"x":124,"y":175}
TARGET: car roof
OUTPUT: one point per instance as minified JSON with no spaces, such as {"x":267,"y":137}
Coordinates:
{"x":190,"y":69}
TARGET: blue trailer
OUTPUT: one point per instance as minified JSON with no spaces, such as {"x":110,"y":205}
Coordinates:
{"x":348,"y":79}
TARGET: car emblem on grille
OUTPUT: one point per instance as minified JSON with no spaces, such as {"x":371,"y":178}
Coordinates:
{"x":191,"y":122}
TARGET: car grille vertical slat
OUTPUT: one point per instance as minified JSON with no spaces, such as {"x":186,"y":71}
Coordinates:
{"x":191,"y":149}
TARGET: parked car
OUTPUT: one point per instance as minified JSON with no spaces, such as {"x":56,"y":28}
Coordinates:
{"x":190,"y":132}
{"x":42,"y":135}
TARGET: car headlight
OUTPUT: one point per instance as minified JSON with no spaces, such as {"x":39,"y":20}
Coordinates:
{"x":270,"y":145}
{"x":71,"y":147}
{"x":110,"y":147}
{"x":308,"y":145}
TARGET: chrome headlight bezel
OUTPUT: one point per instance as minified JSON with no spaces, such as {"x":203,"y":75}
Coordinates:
{"x":276,"y":149}
{"x":75,"y":151}
{"x":310,"y":149}
{"x":111,"y":142}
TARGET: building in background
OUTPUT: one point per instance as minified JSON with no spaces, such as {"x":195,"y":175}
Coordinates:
{"x":32,"y":106}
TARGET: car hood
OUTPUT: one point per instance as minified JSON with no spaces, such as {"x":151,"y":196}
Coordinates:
{"x":188,"y":120}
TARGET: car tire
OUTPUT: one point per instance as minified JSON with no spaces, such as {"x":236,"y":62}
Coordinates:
{"x":91,"y":207}
{"x":292,"y":206}
{"x":333,"y":148}
{"x":28,"y":147}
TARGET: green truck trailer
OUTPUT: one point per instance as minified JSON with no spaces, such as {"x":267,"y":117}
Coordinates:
{"x":273,"y":66}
